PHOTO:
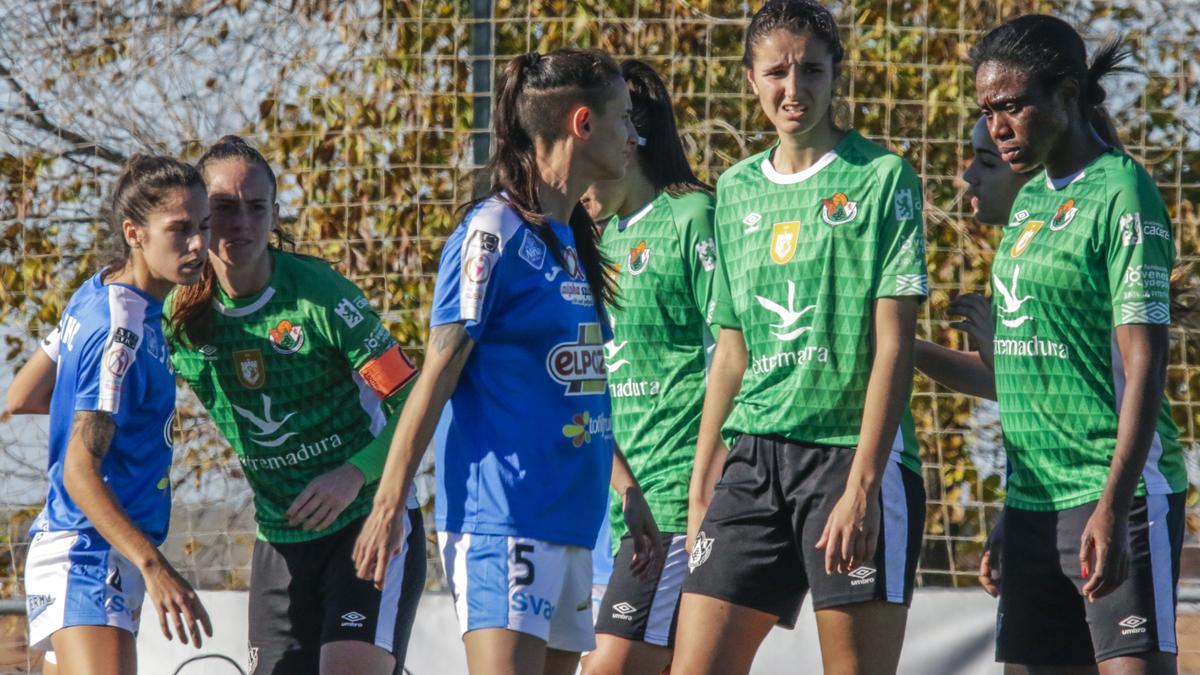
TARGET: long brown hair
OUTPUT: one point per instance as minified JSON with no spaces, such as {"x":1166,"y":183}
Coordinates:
{"x":191,"y":309}
{"x":535,"y":94}
{"x":660,"y":153}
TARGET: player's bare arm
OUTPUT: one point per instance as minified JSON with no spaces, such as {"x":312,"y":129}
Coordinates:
{"x":1104,"y":554}
{"x":91,"y":437}
{"x":724,"y":382}
{"x":449,"y":348}
{"x":32,"y":386}
{"x":853,"y":527}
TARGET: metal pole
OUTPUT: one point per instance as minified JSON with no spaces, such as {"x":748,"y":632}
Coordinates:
{"x":482,"y":60}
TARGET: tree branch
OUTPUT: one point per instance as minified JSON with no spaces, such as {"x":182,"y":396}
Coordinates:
{"x":37,"y":118}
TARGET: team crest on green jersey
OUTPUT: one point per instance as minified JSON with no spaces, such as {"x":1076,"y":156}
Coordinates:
{"x":1022,"y":242}
{"x":1064,"y":216}
{"x":287,"y":337}
{"x":639,"y":258}
{"x":250,"y":369}
{"x":784,"y":239}
{"x":838,"y":209}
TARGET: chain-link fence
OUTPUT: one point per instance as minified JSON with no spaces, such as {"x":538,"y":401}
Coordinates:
{"x":375,"y":114}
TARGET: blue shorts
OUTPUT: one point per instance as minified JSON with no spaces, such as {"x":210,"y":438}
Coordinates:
{"x":523,"y":585}
{"x":74,"y":578}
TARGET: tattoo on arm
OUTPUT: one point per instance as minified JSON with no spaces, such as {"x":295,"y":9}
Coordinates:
{"x":449,"y":337}
{"x":94,"y":430}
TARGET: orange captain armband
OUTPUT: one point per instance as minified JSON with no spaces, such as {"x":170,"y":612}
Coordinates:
{"x":387,"y":373}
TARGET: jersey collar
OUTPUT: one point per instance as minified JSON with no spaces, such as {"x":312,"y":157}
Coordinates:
{"x":641,"y":213}
{"x":799,"y":177}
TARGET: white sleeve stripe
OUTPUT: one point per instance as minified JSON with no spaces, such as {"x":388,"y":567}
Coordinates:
{"x":126,"y":312}
{"x":488,"y":228}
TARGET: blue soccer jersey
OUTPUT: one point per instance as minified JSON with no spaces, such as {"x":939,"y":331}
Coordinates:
{"x":112,"y":358}
{"x":524,"y":447}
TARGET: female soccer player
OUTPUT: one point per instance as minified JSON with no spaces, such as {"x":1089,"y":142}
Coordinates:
{"x":267,"y":335}
{"x":305,"y":383}
{"x":659,"y":233}
{"x":516,"y":349}
{"x":94,"y":552}
{"x":820,"y":274}
{"x":1095,"y":499}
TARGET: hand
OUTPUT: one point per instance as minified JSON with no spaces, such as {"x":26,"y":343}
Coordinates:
{"x":325,"y":497}
{"x":1104,"y":552}
{"x":989,"y":564}
{"x":851,"y":532}
{"x":977,"y":321}
{"x":696,"y":513}
{"x":647,"y":542}
{"x":380,"y":539}
{"x":174,"y":597}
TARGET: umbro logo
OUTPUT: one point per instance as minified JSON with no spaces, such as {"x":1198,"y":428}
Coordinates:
{"x":751,"y":222}
{"x":623,"y":610}
{"x":1133,"y":624}
{"x":861,"y":575}
{"x":353,"y":620}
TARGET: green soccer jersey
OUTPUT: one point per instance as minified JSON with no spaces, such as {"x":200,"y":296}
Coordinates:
{"x":1077,"y":260}
{"x":802,"y":259}
{"x":300,"y":379}
{"x":665,"y":257}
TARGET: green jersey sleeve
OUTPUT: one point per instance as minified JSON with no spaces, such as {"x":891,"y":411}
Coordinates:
{"x":721,"y":311}
{"x":357,"y":333}
{"x":902,"y":236}
{"x":1140,"y":254}
{"x":695,"y":222}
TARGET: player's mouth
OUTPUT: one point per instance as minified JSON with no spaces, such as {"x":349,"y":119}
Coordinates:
{"x":192,"y":266}
{"x":1011,"y":154}
{"x":794,"y":112}
{"x":237,"y":243}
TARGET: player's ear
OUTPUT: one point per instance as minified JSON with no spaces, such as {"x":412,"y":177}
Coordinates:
{"x":581,"y":122}
{"x":750,"y":79}
{"x":132,"y":233}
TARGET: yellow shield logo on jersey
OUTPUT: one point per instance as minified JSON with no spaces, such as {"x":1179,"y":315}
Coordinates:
{"x":784,"y":238}
{"x":1022,"y":243}
{"x":250,"y":368}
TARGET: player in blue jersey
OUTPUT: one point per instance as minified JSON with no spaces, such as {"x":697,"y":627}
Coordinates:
{"x":94,"y":552}
{"x":524,"y":443}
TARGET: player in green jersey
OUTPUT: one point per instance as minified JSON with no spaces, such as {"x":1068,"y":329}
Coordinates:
{"x":305,"y":382}
{"x":820,"y":272}
{"x":1095,"y":494}
{"x":657,"y":224}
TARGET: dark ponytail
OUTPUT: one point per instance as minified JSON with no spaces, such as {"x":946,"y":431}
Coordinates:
{"x":660,"y":152}
{"x":191,"y":308}
{"x":141,"y":187}
{"x":535,"y":93}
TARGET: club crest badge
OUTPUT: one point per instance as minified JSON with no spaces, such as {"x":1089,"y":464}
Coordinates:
{"x":1064,"y":216}
{"x":838,"y":209}
{"x":639,"y":258}
{"x":250,"y":368}
{"x":700,"y":552}
{"x":287,"y":337}
{"x":1031,"y":229}
{"x":784,"y":239}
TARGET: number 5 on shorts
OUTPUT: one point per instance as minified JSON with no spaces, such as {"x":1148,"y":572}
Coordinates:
{"x":519,"y":551}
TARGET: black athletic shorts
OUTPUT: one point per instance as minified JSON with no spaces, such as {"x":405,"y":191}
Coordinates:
{"x":645,"y":611}
{"x":1044,"y":620}
{"x":306,"y":594}
{"x":757,"y":546}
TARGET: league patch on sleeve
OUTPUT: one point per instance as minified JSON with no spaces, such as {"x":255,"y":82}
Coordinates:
{"x":480,"y":255}
{"x":389,"y":372}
